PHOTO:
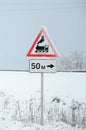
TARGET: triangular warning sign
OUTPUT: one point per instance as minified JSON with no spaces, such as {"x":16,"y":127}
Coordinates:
{"x":42,"y":46}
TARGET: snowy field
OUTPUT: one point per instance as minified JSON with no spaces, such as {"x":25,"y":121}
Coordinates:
{"x":25,"y":84}
{"x":22,"y":86}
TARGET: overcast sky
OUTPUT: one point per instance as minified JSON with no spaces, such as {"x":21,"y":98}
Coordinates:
{"x":21,"y":21}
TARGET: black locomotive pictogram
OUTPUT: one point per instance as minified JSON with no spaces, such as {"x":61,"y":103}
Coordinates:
{"x":40,"y":48}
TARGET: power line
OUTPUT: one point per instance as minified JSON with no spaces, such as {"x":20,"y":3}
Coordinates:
{"x":36,"y":3}
{"x":40,"y":4}
{"x":28,"y":7}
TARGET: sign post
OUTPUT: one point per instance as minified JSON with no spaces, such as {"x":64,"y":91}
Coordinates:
{"x":42,"y":98}
{"x":42,"y":60}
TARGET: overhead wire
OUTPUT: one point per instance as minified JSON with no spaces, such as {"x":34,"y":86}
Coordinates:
{"x":23,"y":6}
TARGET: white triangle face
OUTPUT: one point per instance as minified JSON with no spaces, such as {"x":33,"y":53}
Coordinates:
{"x":42,"y":46}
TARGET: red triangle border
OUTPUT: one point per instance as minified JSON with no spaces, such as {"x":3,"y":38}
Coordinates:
{"x":42,"y":55}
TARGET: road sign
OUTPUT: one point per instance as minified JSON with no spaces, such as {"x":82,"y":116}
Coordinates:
{"x":42,"y":66}
{"x":42,"y":46}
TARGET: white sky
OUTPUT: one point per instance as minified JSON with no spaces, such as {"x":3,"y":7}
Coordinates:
{"x":21,"y":20}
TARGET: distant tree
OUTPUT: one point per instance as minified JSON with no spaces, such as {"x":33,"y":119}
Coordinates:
{"x":76,"y":61}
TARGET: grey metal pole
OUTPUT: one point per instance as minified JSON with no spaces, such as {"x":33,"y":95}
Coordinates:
{"x":42,"y":93}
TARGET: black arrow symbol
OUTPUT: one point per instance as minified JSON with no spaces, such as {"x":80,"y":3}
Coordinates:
{"x":51,"y":66}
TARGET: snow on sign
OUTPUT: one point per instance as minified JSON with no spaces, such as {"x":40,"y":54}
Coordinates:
{"x":42,"y":46}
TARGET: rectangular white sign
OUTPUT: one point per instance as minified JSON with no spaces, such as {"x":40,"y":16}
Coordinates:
{"x":43,"y":66}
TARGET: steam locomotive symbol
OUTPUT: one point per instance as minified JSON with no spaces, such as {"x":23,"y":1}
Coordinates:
{"x":39,"y":48}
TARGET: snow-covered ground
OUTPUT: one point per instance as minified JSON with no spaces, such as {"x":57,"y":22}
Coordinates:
{"x":25,"y":84}
{"x":16,"y":88}
{"x":14,"y":125}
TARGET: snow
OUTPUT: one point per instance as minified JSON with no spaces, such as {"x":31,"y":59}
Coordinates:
{"x":21,"y":86}
{"x":66,"y":84}
{"x":13,"y":125}
{"x":25,"y":84}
